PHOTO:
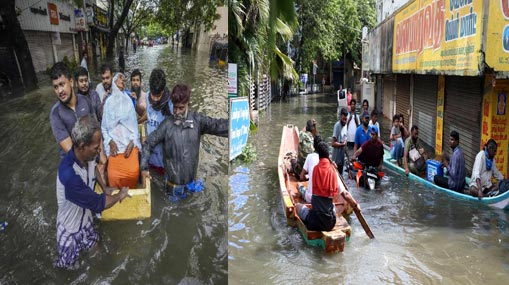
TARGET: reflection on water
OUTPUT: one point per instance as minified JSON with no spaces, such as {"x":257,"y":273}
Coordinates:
{"x":182,"y":242}
{"x":422,"y":237}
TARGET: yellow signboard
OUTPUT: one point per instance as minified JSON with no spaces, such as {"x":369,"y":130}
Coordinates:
{"x":440,"y":116}
{"x":438,"y":36}
{"x":497,"y":47}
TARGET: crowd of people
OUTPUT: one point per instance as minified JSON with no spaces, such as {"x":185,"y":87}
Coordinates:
{"x":360,"y":134}
{"x":98,"y":135}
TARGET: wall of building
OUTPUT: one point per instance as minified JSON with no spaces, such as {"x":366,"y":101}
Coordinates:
{"x":220,"y":32}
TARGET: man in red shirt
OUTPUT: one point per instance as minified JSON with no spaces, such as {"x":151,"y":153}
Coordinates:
{"x":371,"y":153}
{"x":322,"y":215}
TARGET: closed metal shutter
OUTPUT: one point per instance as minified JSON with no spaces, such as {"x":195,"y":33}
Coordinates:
{"x":462,"y":113}
{"x":66,"y":48}
{"x":425,"y":107}
{"x":388,"y":95}
{"x":403,"y":96}
{"x":40,"y":49}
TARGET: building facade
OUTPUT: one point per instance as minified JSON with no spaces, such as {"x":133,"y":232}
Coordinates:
{"x":443,"y":65}
{"x":50,"y":29}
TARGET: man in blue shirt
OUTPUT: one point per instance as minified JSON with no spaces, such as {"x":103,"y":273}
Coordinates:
{"x":75,"y":193}
{"x":362,"y":133}
{"x":455,"y":168}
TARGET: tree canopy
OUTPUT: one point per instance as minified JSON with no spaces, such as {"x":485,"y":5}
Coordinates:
{"x":330,"y":29}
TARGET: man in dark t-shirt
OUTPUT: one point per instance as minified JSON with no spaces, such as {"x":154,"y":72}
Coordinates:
{"x":371,"y":153}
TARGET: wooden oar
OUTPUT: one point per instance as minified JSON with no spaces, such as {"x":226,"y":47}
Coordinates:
{"x":357,"y":212}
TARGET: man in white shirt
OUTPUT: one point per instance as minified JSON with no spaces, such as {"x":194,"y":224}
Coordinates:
{"x":484,"y":168}
{"x":339,"y":141}
{"x":352,"y":122}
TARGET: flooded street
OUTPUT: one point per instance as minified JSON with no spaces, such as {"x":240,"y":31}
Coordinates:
{"x":422,"y":236}
{"x":182,"y":243}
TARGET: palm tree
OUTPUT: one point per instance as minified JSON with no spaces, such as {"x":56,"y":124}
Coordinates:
{"x":255,"y":29}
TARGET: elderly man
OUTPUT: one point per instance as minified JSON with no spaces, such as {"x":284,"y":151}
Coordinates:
{"x":485,"y":167}
{"x":180,"y":136}
{"x":75,"y":195}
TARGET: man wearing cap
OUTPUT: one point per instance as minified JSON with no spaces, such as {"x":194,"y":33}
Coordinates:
{"x":362,"y":132}
{"x":371,"y":152}
{"x":306,"y":139}
{"x":339,"y":140}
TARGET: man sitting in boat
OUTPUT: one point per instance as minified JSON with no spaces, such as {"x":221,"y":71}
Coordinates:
{"x":371,"y":153}
{"x":180,"y":136}
{"x":484,"y":169}
{"x":311,"y":161}
{"x":414,"y":157}
{"x":75,"y":195}
{"x":455,"y":167}
{"x":322,"y":215}
{"x":305,"y":146}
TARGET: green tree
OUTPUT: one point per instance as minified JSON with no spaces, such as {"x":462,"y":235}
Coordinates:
{"x":115,"y":26}
{"x":140,"y":13}
{"x":328,"y":29}
{"x":187,"y":15}
{"x":257,"y":33}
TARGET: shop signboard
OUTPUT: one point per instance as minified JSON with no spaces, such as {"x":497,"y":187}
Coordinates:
{"x":497,"y":47}
{"x":438,"y":37}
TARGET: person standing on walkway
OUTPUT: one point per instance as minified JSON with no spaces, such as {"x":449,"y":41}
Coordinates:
{"x":455,"y":168}
{"x":76,"y":198}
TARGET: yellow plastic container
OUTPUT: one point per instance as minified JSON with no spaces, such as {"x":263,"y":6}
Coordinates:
{"x":137,"y":207}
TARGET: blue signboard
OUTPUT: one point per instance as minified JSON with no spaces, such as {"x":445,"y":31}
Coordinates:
{"x":304,"y":78}
{"x":239,"y":125}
